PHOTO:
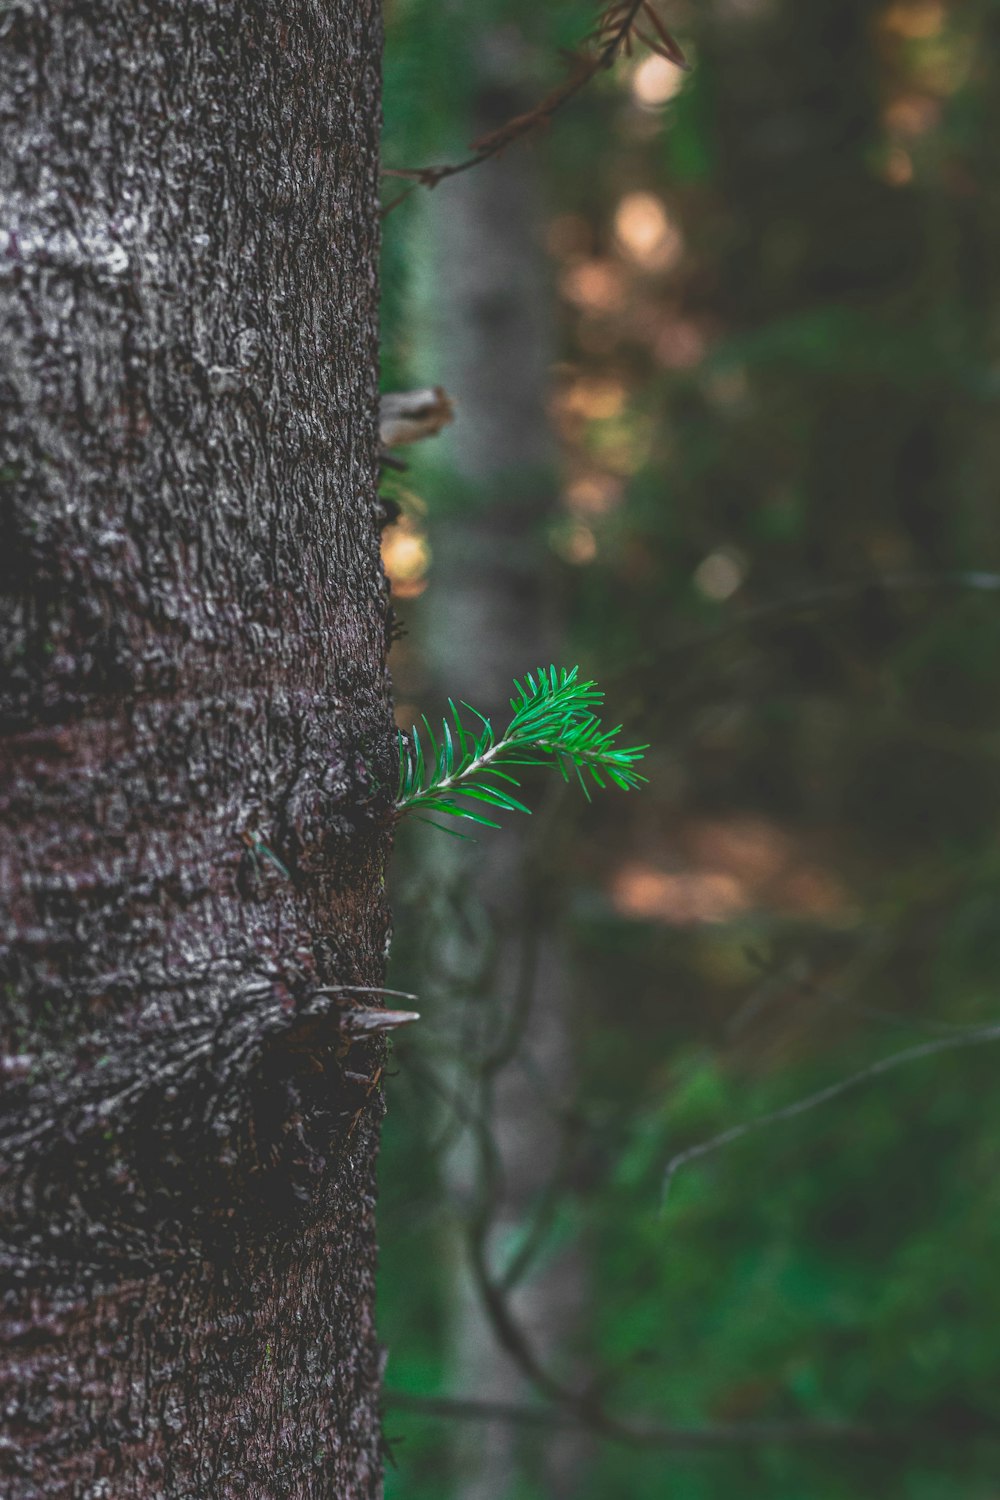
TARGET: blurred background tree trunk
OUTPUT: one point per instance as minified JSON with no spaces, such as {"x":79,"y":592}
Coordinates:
{"x":504,"y":981}
{"x":195,"y":748}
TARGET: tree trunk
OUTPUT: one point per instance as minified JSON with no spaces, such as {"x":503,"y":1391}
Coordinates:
{"x":195,"y":750}
{"x":492,"y":621}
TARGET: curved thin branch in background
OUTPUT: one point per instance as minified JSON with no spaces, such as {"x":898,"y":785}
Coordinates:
{"x":969,"y":1038}
{"x":716,"y":1436}
{"x":847,"y":591}
{"x":584,"y":1408}
{"x":613,"y":34}
{"x":797,"y":982}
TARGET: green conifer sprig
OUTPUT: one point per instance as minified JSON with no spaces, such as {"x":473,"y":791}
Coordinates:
{"x":553,"y":723}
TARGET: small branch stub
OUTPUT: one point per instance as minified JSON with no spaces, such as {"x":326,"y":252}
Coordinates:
{"x":361,"y":1023}
{"x":409,"y":416}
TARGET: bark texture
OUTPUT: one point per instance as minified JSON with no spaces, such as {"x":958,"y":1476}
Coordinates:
{"x":195,"y":749}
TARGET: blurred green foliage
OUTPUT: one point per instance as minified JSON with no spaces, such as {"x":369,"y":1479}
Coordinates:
{"x":791,"y":594}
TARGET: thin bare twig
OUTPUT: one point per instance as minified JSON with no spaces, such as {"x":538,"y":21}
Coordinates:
{"x":469,"y":1409}
{"x":584,"y":1408}
{"x":617,"y":25}
{"x":830,"y":595}
{"x":971,"y":1037}
{"x":836,"y":995}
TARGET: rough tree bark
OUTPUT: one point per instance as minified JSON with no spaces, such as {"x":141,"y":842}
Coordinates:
{"x":195,"y":747}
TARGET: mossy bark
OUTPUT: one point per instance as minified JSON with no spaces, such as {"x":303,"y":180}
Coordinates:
{"x":195,"y":749}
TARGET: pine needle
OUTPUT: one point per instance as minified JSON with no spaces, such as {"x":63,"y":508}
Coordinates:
{"x":464,"y":772}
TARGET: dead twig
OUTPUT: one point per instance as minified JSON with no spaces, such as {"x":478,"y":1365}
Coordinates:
{"x":614,"y":33}
{"x":972,"y":1036}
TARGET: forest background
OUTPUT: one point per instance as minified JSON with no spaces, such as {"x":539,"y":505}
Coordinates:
{"x":726,"y":435}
